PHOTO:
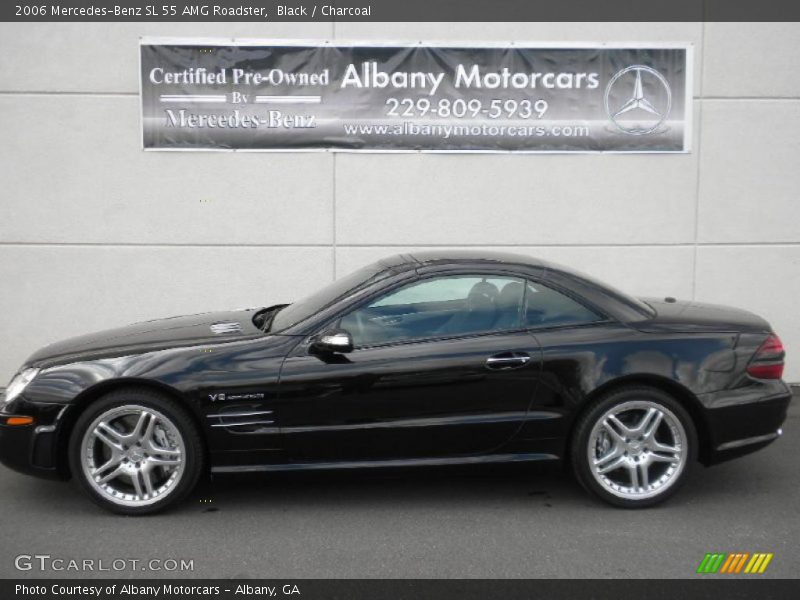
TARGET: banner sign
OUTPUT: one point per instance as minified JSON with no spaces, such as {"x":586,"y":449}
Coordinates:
{"x":285,"y":96}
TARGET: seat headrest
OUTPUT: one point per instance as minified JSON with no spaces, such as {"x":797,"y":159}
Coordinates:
{"x":485,"y":288}
{"x":482,"y":296}
{"x":511,"y":295}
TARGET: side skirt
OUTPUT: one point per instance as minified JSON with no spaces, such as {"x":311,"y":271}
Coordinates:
{"x":402,"y":462}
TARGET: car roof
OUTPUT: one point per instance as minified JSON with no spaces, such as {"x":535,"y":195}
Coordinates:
{"x":406,"y":262}
{"x":431,"y":257}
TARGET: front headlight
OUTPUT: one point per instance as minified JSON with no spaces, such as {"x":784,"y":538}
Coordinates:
{"x":18,"y":384}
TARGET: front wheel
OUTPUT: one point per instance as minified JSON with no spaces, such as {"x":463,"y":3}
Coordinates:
{"x":634,"y":447}
{"x":135,"y":452}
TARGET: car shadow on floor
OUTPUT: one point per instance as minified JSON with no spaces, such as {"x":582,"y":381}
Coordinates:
{"x":545,"y":486}
{"x":408,"y":486}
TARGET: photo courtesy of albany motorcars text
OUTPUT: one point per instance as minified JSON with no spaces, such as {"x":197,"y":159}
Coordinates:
{"x":434,"y":358}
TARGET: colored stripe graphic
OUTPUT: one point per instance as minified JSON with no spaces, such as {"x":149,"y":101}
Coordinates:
{"x":710,"y":563}
{"x":758,"y":563}
{"x":764,"y":564}
{"x":704,"y":563}
{"x":731,"y":560}
{"x":734,"y":562}
{"x":740,"y":563}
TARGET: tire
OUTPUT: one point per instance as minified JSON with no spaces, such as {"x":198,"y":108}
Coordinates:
{"x":627,"y":460}
{"x":135,"y":452}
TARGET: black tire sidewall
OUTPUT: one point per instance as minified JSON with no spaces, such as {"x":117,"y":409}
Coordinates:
{"x":580,"y":440}
{"x":193,"y":459}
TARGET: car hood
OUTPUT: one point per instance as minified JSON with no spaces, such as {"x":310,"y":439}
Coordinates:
{"x":147,"y":336}
{"x":690,"y":316}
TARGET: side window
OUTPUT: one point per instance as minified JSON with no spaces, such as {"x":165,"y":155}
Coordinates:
{"x":441,"y":306}
{"x":544,"y":307}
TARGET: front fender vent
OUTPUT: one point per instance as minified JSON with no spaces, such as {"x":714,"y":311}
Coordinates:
{"x":243,"y":418}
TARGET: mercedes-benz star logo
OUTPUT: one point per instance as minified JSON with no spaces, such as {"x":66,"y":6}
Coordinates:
{"x":638,"y":114}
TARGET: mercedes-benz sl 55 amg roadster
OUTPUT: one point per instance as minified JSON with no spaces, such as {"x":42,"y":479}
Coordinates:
{"x":425,"y":359}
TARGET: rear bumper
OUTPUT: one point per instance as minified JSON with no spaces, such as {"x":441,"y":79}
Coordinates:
{"x":745,"y":420}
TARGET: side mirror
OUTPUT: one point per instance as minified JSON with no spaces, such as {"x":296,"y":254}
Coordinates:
{"x":335,"y":341}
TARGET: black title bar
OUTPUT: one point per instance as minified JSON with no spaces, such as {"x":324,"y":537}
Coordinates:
{"x":400,"y":10}
{"x":738,"y":588}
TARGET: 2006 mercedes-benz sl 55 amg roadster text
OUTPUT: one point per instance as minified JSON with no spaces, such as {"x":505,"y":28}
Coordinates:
{"x":424,"y":359}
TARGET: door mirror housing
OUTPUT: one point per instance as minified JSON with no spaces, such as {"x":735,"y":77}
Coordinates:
{"x":335,"y":341}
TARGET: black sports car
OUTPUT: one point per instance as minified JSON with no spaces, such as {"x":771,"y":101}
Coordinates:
{"x":423,"y":359}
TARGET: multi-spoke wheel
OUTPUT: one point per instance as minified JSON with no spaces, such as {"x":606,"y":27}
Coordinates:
{"x":634,"y":447}
{"x":135,"y":452}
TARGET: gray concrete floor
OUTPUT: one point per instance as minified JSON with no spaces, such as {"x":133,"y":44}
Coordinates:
{"x":513,"y":521}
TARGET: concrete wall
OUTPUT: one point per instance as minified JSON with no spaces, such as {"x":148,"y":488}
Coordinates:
{"x":94,"y":232}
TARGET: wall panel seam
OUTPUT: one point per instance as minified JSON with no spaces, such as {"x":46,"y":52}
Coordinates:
{"x":333,"y":211}
{"x":689,"y":245}
{"x":697,"y":165}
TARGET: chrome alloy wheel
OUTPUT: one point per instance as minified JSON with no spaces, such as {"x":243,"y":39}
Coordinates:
{"x":637,"y":449}
{"x":133,"y":455}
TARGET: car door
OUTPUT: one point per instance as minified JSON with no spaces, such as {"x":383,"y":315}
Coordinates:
{"x":569,"y":331}
{"x":440,"y":367}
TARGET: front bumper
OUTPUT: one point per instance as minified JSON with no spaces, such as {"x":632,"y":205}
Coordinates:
{"x":33,"y":449}
{"x":745,"y":420}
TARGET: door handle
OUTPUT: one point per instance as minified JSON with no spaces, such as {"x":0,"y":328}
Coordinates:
{"x":507,"y":360}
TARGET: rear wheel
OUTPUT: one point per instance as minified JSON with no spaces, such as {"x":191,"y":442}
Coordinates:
{"x":135,"y":452}
{"x":635,"y":447}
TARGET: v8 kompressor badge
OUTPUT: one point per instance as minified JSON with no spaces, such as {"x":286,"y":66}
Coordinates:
{"x":224,"y":396}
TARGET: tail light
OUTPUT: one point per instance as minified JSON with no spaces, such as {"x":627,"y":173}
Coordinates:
{"x":767,"y":362}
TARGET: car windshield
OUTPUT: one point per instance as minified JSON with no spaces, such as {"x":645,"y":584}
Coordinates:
{"x":310,"y":305}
